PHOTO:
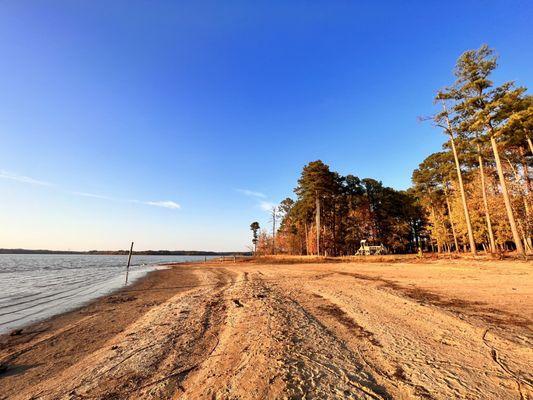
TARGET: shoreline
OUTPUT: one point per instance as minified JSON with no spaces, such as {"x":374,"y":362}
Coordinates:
{"x":99,"y":290}
{"x":71,"y":335}
{"x":31,"y":297}
{"x":133,"y":283}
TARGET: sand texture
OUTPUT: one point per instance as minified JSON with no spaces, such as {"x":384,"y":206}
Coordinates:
{"x":448,"y":329}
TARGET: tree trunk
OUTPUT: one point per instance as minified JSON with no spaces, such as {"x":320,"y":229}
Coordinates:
{"x":300,"y":239}
{"x":526,"y":170}
{"x":334,"y":217}
{"x":485,"y":202}
{"x":435,"y":223}
{"x":463,"y":195}
{"x":450,"y":218}
{"x":508,"y":207}
{"x":525,"y":167}
{"x":273,"y":231}
{"x":524,"y":237}
{"x":461,"y":186}
{"x":306,"y":240}
{"x":317,"y":225}
{"x":523,"y":193}
{"x":523,"y":231}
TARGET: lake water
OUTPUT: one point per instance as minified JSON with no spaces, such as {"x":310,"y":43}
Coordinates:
{"x":37,"y":286}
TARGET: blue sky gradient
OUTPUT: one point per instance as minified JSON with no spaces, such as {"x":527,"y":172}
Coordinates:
{"x":108,"y":109}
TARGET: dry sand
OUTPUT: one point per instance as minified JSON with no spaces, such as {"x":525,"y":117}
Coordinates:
{"x":433,"y":330}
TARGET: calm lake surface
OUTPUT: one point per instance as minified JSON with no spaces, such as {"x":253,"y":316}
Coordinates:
{"x":37,"y":286}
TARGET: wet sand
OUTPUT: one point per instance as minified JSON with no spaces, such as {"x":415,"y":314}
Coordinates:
{"x":431,"y":330}
{"x":44,"y":349}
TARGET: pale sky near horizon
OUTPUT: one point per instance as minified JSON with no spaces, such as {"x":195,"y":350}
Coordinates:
{"x":176,"y":124}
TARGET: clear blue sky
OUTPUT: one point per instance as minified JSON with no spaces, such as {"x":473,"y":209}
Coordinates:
{"x":113,"y":113}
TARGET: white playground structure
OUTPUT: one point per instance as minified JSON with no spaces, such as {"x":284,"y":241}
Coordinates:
{"x":368,"y":250}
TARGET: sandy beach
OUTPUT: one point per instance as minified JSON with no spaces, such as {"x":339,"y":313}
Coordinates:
{"x":442,"y":329}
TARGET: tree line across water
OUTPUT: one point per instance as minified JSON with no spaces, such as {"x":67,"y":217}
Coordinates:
{"x":473,"y":195}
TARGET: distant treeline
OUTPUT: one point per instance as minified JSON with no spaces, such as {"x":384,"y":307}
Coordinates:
{"x":333,"y":213}
{"x":475,"y":194}
{"x":124,"y":252}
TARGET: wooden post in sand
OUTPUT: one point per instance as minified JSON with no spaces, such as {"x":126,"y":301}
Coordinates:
{"x":128,"y":267}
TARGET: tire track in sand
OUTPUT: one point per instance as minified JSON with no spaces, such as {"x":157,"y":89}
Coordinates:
{"x":272,"y":347}
{"x":153,"y":355}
